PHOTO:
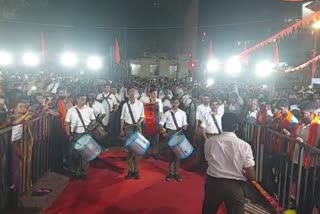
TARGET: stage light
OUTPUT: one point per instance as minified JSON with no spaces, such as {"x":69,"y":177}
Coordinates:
{"x":33,"y":88}
{"x":5,"y":58}
{"x":233,"y":65}
{"x":264,"y":68}
{"x":213,"y":65}
{"x":69,"y":59}
{"x":31,"y":59}
{"x":94,"y":63}
{"x":316,"y":25}
{"x":210,"y":82}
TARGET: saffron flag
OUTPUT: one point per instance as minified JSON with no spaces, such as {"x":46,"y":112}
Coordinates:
{"x":43,"y":46}
{"x":117,"y":51}
{"x":245,"y":57}
{"x":210,"y":50}
{"x":276,"y":59}
{"x":152,"y":119}
{"x":314,"y":66}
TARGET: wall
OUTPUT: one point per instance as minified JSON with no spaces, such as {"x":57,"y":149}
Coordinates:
{"x":163,"y":67}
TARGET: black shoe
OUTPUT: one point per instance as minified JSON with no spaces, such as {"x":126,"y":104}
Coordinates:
{"x":146,"y":156}
{"x":129,"y":175}
{"x":170,"y":177}
{"x":178,"y":178}
{"x":156,"y":156}
{"x":136,"y":175}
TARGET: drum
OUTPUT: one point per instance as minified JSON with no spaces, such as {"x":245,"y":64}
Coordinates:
{"x":87,"y":147}
{"x":98,"y":132}
{"x":180,"y":145}
{"x":137,"y":143}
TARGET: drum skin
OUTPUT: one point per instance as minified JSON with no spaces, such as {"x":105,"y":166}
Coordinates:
{"x":180,"y":146}
{"x":98,"y":132}
{"x":137,"y":143}
{"x":87,"y":147}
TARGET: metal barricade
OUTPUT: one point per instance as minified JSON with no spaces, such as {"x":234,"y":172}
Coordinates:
{"x":25,"y":161}
{"x":286,"y":168}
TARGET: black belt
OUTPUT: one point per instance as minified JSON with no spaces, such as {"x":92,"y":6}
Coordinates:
{"x":215,"y":179}
{"x":211,"y":134}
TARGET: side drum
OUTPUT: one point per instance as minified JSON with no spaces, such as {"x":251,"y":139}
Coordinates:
{"x":137,"y":143}
{"x":180,"y":145}
{"x":88,"y":148}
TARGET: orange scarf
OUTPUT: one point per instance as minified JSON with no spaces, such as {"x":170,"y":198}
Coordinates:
{"x":285,"y":124}
{"x":63,"y":111}
{"x":287,"y":120}
{"x":312,"y":140}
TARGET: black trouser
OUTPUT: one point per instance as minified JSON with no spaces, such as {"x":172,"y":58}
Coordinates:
{"x":218,"y":190}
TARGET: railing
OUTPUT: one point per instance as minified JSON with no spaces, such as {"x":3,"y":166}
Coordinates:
{"x":25,"y":161}
{"x":285,"y":167}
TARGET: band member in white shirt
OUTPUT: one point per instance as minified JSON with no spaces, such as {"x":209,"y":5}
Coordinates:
{"x":174,"y":121}
{"x":132,"y":122}
{"x":202,"y":110}
{"x":109,"y":103}
{"x":211,"y":122}
{"x":231,"y":163}
{"x":97,"y":107}
{"x":78,"y":120}
{"x":154,"y":139}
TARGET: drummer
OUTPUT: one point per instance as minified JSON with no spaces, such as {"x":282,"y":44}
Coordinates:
{"x":132,"y":116}
{"x":76,"y":128}
{"x":97,"y":107}
{"x":174,"y":121}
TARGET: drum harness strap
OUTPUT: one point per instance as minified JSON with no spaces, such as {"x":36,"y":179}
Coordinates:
{"x":106,"y":99}
{"x":131,"y":114}
{"x":175,"y":121}
{"x":80,"y":116}
{"x":216,"y":123}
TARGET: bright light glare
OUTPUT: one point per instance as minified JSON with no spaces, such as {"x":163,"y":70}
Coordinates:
{"x":94,"y":63}
{"x":5,"y":58}
{"x":264,"y":86}
{"x":213,"y":65}
{"x":31,"y":59}
{"x":210,"y":82}
{"x":69,"y":59}
{"x":264,"y":68}
{"x":233,"y":65}
{"x":33,"y":88}
{"x":316,"y":25}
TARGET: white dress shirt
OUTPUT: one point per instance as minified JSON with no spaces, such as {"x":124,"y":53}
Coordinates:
{"x":201,"y":111}
{"x":73,"y":118}
{"x":181,"y":118}
{"x":227,"y":156}
{"x":208,"y":122}
{"x":97,"y":108}
{"x":137,"y":111}
{"x":108,"y":105}
{"x":144,"y":98}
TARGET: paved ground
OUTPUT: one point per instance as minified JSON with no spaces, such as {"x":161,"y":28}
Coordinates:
{"x":51,"y":180}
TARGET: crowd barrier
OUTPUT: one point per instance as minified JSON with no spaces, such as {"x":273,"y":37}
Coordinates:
{"x":23,"y":162}
{"x":286,"y":168}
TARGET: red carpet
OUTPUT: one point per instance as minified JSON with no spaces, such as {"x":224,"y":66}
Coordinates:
{"x":107,"y":192}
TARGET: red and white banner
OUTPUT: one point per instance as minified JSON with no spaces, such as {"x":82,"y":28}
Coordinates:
{"x":286,"y":32}
{"x":304,"y":65}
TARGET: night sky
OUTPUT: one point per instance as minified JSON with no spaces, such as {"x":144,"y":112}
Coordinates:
{"x":225,"y":22}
